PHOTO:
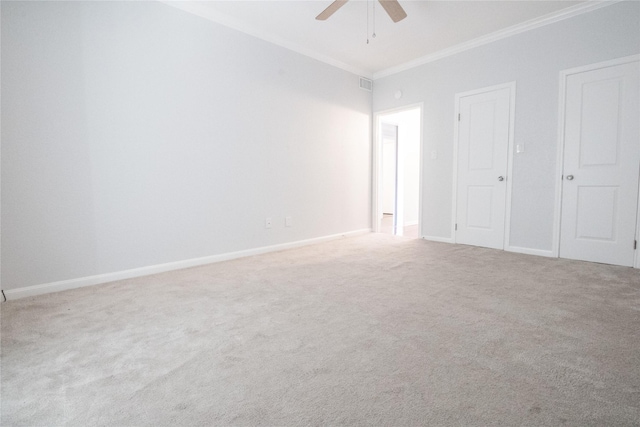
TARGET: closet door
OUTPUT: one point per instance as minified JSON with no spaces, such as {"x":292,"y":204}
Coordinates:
{"x":601,"y":165}
{"x":482,"y":150}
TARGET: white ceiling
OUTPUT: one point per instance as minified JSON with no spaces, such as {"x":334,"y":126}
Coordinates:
{"x":432,"y":28}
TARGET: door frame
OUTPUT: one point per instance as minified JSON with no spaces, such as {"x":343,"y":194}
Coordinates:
{"x":376,"y":184}
{"x":456,"y":141}
{"x":562,"y":103}
{"x":382,"y":194}
{"x":636,"y":264}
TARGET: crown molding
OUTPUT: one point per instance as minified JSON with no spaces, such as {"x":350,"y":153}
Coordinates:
{"x":200,"y":9}
{"x":531,"y":24}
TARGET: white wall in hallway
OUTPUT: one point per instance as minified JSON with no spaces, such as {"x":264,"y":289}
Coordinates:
{"x":388,"y":196}
{"x":136,"y":134}
{"x":534,"y":60}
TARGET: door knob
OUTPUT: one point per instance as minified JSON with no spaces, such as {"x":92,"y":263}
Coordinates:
{"x":500,"y":178}
{"x":569,"y":177}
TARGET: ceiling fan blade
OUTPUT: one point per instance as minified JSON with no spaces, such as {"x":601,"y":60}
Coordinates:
{"x":337,"y":4}
{"x":393,"y":8}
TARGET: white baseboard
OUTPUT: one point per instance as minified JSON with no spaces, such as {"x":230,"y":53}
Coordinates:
{"x":63,"y":285}
{"x":410,"y":223}
{"x":439,"y":239}
{"x":528,"y":251}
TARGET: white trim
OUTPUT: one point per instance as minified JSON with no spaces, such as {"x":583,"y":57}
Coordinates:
{"x":512,"y":113}
{"x":636,"y":263}
{"x":557,"y":211}
{"x":599,"y":65}
{"x":510,"y":153}
{"x":454,"y":178}
{"x":199,"y":8}
{"x":557,"y":217}
{"x":376,"y":182}
{"x":411,"y":223}
{"x":550,"y":18}
{"x":81,"y":282}
{"x":529,"y":251}
{"x":1,"y":298}
{"x":421,"y":170}
{"x":438,"y":239}
{"x":398,"y":196}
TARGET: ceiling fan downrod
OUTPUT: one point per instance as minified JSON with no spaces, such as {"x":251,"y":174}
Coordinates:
{"x":373,"y":35}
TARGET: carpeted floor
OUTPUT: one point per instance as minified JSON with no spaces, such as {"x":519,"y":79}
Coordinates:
{"x":372,"y":330}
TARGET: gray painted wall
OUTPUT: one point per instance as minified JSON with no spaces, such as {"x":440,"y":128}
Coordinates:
{"x":533,"y":60}
{"x":135,"y":134}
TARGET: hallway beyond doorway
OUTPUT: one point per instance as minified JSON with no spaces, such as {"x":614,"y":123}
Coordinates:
{"x":397,"y":171}
{"x":386,"y":227}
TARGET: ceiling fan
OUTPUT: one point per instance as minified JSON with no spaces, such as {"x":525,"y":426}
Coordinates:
{"x":392,"y":7}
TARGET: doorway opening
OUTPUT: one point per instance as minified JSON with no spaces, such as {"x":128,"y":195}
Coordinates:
{"x":398,"y":171}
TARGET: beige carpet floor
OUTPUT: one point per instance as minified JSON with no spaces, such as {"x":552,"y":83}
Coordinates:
{"x":373,"y":330}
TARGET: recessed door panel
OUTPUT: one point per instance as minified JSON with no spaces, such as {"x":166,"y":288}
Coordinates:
{"x":479,"y":206}
{"x":481,"y":135}
{"x":601,"y":165}
{"x":597,"y":213}
{"x":600,"y":122}
{"x":483,"y":139}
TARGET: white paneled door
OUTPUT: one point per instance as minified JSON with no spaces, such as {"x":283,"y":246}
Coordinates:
{"x":601,"y":165}
{"x":482,"y":153}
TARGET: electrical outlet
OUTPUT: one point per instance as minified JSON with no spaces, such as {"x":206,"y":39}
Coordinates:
{"x":267,"y":223}
{"x":288,"y":221}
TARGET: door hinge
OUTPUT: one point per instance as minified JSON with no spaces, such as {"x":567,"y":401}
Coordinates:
{"x":456,"y":228}
{"x":458,"y":116}
{"x":635,"y":245}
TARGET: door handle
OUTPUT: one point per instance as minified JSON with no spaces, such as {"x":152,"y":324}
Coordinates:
{"x":569,"y":177}
{"x":500,"y":178}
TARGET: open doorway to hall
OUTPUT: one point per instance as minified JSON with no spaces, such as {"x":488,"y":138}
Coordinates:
{"x":397,"y":187}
